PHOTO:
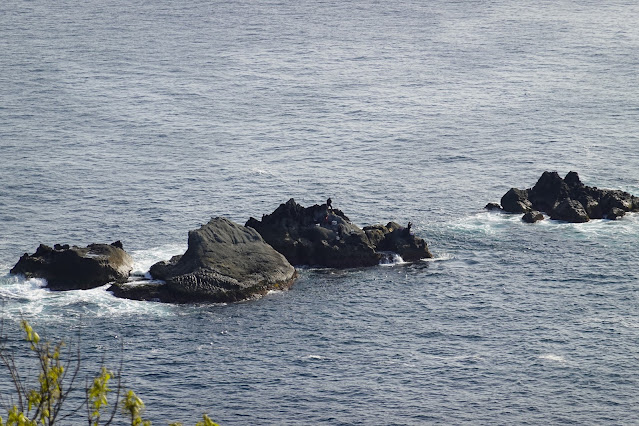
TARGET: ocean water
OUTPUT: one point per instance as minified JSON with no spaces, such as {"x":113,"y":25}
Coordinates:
{"x":138,"y":121}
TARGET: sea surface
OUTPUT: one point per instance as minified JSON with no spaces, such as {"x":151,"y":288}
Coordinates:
{"x":140,"y":120}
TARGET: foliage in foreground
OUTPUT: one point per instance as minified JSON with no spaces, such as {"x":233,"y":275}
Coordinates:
{"x":47,"y":402}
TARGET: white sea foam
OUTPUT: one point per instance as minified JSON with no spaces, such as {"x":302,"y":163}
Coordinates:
{"x":19,"y":287}
{"x":314,"y":357}
{"x":28,"y":298}
{"x":144,"y":259}
{"x":495,"y":223}
{"x":263,"y":171}
{"x":441,"y":257}
{"x":627,"y":225}
{"x":553,"y":358}
{"x":487,"y":222}
{"x":390,"y":258}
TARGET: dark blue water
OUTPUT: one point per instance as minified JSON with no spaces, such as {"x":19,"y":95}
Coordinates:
{"x":140,"y":120}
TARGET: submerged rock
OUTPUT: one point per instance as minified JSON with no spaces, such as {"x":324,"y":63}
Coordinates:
{"x":568,"y":199}
{"x":76,"y":268}
{"x":224,"y":262}
{"x":493,"y":206}
{"x":325,"y":237}
{"x":533,"y":216}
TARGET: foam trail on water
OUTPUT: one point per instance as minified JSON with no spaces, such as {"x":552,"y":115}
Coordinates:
{"x":498,"y":223}
{"x":486,"y":222}
{"x":441,"y":257}
{"x":28,"y":298}
{"x":627,"y":225}
{"x":553,"y":358}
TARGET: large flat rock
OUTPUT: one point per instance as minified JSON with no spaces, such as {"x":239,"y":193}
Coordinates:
{"x":224,"y":262}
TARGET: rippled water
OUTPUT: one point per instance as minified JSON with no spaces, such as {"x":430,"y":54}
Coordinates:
{"x":140,"y":120}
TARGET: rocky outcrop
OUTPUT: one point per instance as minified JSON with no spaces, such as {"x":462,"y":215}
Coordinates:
{"x":224,"y":262}
{"x":76,"y":268}
{"x":325,"y":237}
{"x":568,"y":199}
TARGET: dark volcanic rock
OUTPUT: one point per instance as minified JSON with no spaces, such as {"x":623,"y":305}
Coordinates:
{"x":399,"y":240}
{"x":549,"y":191}
{"x":516,"y":201}
{"x":570,"y":211}
{"x":76,"y":268}
{"x":572,"y":180}
{"x":590,"y":204}
{"x":569,"y":199}
{"x":320,"y":236}
{"x":493,"y":206}
{"x":532,"y":216}
{"x":615,"y":213}
{"x":224,"y":262}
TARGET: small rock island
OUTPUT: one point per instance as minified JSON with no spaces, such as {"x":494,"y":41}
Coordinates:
{"x":566,"y":199}
{"x":76,"y":268}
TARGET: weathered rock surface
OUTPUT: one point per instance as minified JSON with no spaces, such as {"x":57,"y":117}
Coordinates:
{"x":224,"y":262}
{"x":493,"y":206}
{"x":570,"y":211}
{"x":76,"y":268}
{"x":516,"y":201}
{"x":321,"y":236}
{"x":569,"y":199}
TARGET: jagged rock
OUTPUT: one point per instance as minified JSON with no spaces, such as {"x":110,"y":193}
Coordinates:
{"x":572,"y":180}
{"x":549,"y":191}
{"x":570,"y":211}
{"x":224,"y":262}
{"x":399,"y":240}
{"x":516,"y":201}
{"x":610,"y":199}
{"x":590,"y":204}
{"x":377,"y":233}
{"x":569,"y":199}
{"x":76,"y":268}
{"x":321,"y":236}
{"x":615,"y":213}
{"x":493,"y":206}
{"x":532,"y":216}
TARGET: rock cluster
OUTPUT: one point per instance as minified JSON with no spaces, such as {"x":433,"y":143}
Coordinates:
{"x":227,"y":262}
{"x":322,"y":236}
{"x":76,"y":268}
{"x":567,"y":199}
